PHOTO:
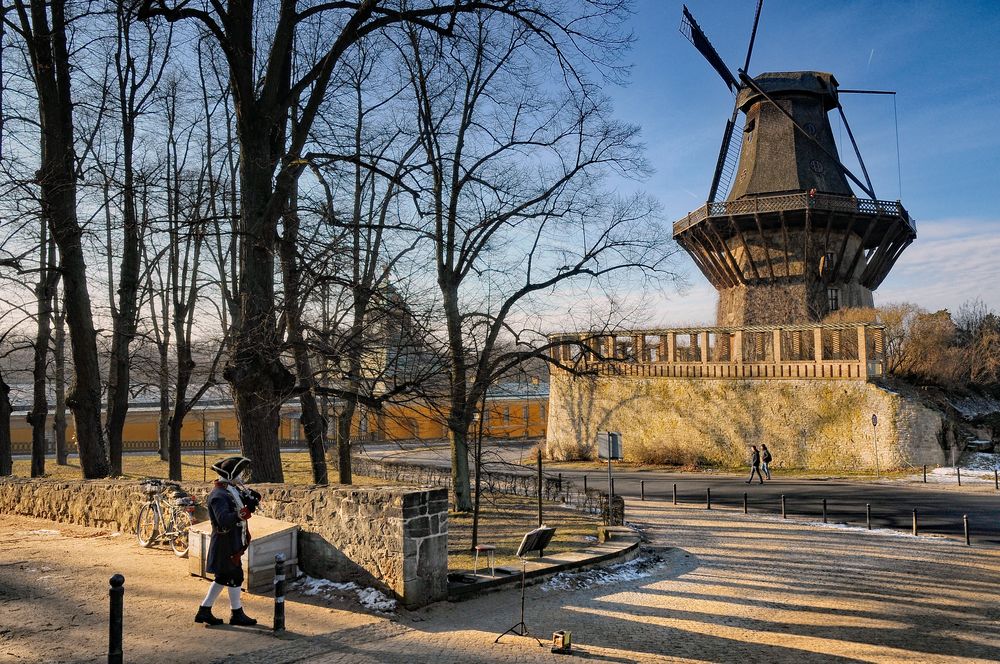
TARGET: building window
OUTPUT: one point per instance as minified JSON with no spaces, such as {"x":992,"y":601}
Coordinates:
{"x":293,"y":426}
{"x":541,"y":411}
{"x":833,"y":299}
{"x":212,"y":432}
{"x":506,"y":415}
{"x":525,"y":413}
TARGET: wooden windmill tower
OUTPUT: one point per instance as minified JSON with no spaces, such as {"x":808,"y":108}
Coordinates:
{"x":791,"y":241}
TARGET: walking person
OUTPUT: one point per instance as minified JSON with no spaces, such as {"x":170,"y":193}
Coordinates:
{"x":230,"y":538}
{"x":755,"y":464}
{"x":765,"y":458}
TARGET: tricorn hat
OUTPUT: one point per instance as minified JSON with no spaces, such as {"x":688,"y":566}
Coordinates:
{"x":231,"y":467}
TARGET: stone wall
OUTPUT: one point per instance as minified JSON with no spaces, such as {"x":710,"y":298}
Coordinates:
{"x":395,"y":538}
{"x":806,"y":423}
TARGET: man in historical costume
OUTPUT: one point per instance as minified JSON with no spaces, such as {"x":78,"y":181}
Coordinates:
{"x":230,"y":538}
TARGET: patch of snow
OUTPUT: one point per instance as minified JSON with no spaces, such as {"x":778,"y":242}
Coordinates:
{"x":973,"y":406}
{"x":44,"y":532}
{"x":637,"y":568}
{"x":590,"y":538}
{"x":980,"y":460}
{"x":370,"y":598}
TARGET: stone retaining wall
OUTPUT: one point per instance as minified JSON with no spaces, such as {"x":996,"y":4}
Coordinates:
{"x":806,"y":423}
{"x":395,"y":538}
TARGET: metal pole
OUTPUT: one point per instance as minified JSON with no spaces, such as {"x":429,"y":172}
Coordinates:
{"x":642,"y":489}
{"x":744,"y":502}
{"x":868,"y":515}
{"x":783,"y":514}
{"x":824,"y":510}
{"x":925,"y":473}
{"x":560,"y":483}
{"x":539,"y":488}
{"x":585,"y":485}
{"x":996,"y":479}
{"x":878,"y":472}
{"x":965,"y":524}
{"x":612,"y":486}
{"x":915,"y":531}
{"x":958,"y":470}
{"x":279,"y":594}
{"x":611,"y":482}
{"x":708,"y":499}
{"x":675,"y":494}
{"x":116,"y":594}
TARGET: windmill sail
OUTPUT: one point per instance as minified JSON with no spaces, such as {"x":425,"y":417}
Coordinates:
{"x":729,"y":159}
{"x":694,"y":33}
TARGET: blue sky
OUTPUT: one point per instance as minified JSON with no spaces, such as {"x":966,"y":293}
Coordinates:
{"x":942,"y":59}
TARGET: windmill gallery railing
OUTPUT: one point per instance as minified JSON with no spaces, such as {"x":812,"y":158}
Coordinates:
{"x":832,"y":351}
{"x":798,"y":201}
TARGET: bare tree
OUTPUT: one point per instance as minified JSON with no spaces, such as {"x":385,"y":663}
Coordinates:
{"x":43,"y":26}
{"x":514,"y":200}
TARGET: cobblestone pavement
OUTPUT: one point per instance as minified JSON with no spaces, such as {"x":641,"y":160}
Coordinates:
{"x":731,"y":588}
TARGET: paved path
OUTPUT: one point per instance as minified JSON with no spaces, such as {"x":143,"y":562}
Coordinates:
{"x":729,"y":588}
{"x":939,"y":508}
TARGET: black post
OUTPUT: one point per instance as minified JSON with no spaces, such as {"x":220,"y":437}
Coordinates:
{"x":539,"y":488}
{"x":708,"y":499}
{"x":868,"y":515}
{"x":915,"y":531}
{"x":642,"y":489}
{"x":958,"y":470}
{"x":116,"y":593}
{"x":925,"y":473}
{"x":675,"y":494}
{"x":560,"y":482}
{"x":784,"y":515}
{"x":279,"y":594}
{"x":744,"y":502}
{"x":996,"y":479}
{"x":824,"y":510}
{"x":612,"y":486}
{"x":585,"y":485}
{"x":965,"y":524}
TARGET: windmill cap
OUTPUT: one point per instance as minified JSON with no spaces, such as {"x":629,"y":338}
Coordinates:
{"x":790,"y":83}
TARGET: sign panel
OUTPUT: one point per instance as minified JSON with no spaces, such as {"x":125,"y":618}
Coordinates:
{"x":609,"y":446}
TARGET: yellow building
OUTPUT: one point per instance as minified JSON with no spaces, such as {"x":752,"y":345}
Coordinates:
{"x":513,"y":411}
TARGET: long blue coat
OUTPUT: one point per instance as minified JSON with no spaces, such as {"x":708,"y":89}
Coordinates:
{"x":226,"y":534}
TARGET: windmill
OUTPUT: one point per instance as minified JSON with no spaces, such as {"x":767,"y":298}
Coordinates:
{"x":782,"y":236}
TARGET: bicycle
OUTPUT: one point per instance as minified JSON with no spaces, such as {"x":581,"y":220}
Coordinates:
{"x":166,"y":516}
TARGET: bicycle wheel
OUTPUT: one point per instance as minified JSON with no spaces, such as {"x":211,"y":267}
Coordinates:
{"x":146,"y":526}
{"x":179,"y":540}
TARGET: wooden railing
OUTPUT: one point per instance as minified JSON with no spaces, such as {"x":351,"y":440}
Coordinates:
{"x":837,"y":352}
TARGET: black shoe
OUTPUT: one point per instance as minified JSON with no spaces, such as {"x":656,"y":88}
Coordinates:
{"x":241,"y":619}
{"x":205,"y":616}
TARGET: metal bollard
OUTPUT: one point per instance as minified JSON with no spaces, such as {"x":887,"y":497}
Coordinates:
{"x":824,"y":510}
{"x":642,"y":489}
{"x":868,"y":515}
{"x":925,"y":473}
{"x":675,"y":494}
{"x":744,"y":502}
{"x":708,"y":499}
{"x":585,"y":485}
{"x":116,"y":593}
{"x":613,"y":487}
{"x":560,"y":483}
{"x":279,"y":594}
{"x":996,"y":479}
{"x":784,"y":515}
{"x":965,"y":525}
{"x":915,"y":531}
{"x":958,"y":470}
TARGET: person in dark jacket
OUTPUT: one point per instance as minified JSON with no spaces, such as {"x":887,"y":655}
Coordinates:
{"x":755,"y":465}
{"x":230,"y":538}
{"x":765,"y":461}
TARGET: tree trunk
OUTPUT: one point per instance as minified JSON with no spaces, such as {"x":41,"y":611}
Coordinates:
{"x":40,"y":401}
{"x":164,"y":419}
{"x":57,"y":180}
{"x":258,"y":379}
{"x":312,"y":420}
{"x":344,"y":418}
{"x":6,"y":458}
{"x":59,"y":358}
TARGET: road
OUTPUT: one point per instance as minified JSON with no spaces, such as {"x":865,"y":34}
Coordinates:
{"x":939,"y":508}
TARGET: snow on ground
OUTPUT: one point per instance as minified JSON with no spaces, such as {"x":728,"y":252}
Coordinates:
{"x":640,"y":567}
{"x":973,"y":406}
{"x":370,"y":598}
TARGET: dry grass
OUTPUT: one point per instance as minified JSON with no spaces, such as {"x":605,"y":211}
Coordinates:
{"x":296,"y":467}
{"x":504,"y":520}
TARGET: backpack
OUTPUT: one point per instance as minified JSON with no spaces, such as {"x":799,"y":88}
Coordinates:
{"x":767,"y":456}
